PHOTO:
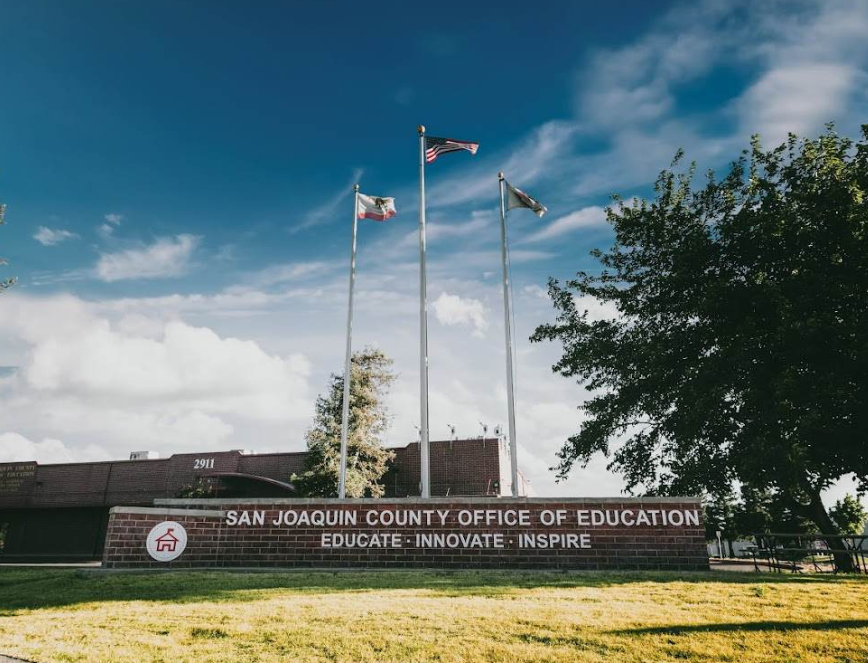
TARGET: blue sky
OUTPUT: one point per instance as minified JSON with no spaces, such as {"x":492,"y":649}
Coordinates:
{"x":227,"y":123}
{"x":178,"y":184}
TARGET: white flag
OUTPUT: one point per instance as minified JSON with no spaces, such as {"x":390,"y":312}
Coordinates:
{"x":518,"y":198}
{"x":376,"y":208}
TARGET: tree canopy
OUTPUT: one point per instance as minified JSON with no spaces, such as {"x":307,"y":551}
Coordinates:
{"x":739,"y":351}
{"x":367,"y":459}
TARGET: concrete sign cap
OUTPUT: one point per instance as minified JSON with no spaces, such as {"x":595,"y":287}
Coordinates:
{"x":166,"y":541}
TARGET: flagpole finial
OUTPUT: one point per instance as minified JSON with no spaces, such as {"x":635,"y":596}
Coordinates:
{"x":500,"y":175}
{"x":421,"y":128}
{"x":356,"y":188}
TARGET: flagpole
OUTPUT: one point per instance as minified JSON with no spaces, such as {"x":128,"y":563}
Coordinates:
{"x":510,"y":386}
{"x":425,"y":488}
{"x":345,"y":418}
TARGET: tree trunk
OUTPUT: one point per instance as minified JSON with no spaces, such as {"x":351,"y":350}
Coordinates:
{"x":820,"y":517}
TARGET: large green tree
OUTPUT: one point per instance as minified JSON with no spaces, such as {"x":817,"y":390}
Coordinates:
{"x":740,"y":346}
{"x":7,"y":282}
{"x":367,"y":459}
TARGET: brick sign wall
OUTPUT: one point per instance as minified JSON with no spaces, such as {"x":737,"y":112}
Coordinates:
{"x":444,"y":533}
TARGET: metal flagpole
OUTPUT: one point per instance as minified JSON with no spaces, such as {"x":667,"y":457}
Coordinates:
{"x":345,"y":419}
{"x":510,"y":386}
{"x":423,"y":327}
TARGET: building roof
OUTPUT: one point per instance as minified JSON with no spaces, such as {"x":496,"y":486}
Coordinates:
{"x":458,"y":467}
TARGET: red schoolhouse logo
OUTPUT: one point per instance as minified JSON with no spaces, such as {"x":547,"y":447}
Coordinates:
{"x":166,"y":541}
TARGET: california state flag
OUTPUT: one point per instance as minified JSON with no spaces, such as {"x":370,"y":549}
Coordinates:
{"x":376,"y":208}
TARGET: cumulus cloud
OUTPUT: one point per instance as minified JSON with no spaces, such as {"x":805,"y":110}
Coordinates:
{"x":185,"y":364}
{"x":140,"y":381}
{"x":453,"y":310}
{"x":16,"y":447}
{"x":51,"y":236}
{"x":193,"y":367}
{"x":114,"y":219}
{"x":166,"y":257}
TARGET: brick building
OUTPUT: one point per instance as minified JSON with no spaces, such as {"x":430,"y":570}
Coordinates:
{"x":60,"y":511}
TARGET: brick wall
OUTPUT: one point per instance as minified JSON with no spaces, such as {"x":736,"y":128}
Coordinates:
{"x":462,"y":467}
{"x":616,"y":544}
{"x":459,"y":467}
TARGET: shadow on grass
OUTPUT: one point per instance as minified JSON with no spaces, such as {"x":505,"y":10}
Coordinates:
{"x":35,"y":588}
{"x":745,"y":626}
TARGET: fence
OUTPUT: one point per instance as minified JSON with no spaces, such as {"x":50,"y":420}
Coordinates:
{"x":799,"y":552}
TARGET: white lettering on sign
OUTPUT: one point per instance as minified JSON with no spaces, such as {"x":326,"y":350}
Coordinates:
{"x":360,"y":540}
{"x":543,"y":541}
{"x":421,"y":519}
{"x":203,"y":464}
{"x":437,"y":540}
{"x":549,"y":518}
{"x":489,"y":517}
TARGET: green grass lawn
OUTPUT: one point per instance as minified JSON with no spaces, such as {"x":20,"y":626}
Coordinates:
{"x":58,"y":615}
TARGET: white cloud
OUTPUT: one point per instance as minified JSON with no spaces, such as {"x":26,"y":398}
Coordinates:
{"x":114,"y":219}
{"x":778,"y":104}
{"x":167,"y":257}
{"x":185,"y":365}
{"x":50,"y":236}
{"x":235,"y":300}
{"x":143,"y":382}
{"x":633,"y":85}
{"x":454,"y":310}
{"x":125,"y":429}
{"x":588,"y":217}
{"x":16,"y":447}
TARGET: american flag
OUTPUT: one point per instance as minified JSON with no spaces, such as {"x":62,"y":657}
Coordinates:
{"x":434,"y":147}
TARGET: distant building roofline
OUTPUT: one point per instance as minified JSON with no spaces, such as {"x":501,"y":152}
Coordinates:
{"x":238,"y":452}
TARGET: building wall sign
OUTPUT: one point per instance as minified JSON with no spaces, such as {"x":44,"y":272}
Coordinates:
{"x":652,"y":533}
{"x":166,"y":541}
{"x":16,"y":477}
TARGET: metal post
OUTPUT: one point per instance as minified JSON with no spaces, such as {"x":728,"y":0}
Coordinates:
{"x":425,"y":488}
{"x":345,"y":419}
{"x":510,"y":387}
